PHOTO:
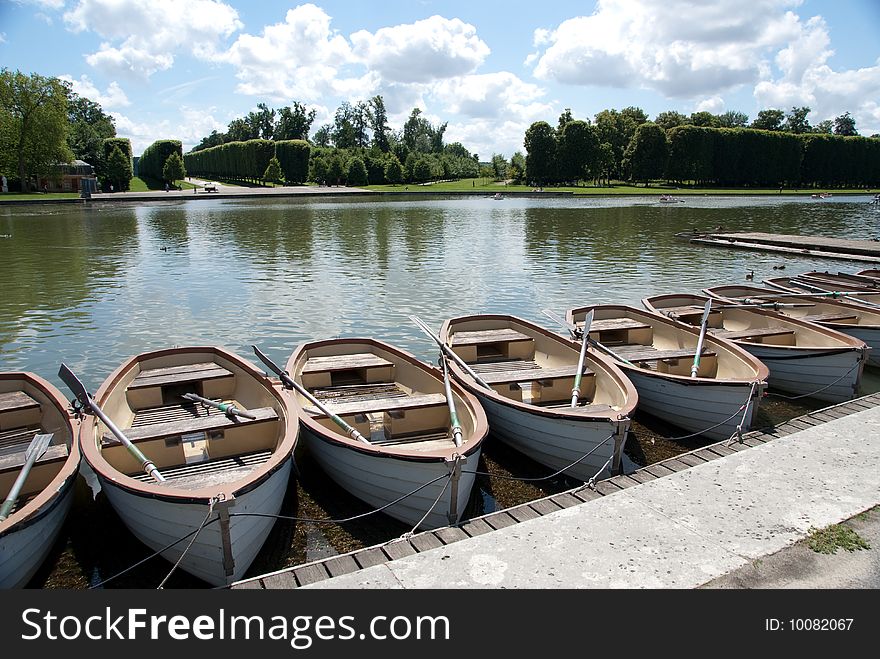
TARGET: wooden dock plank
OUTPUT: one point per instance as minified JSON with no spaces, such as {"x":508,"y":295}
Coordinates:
{"x":586,"y":494}
{"x":475,"y":527}
{"x":623,"y":481}
{"x":659,"y":470}
{"x":307,"y":574}
{"x":607,"y":487}
{"x":339,"y":565}
{"x":642,"y":476}
{"x":691,"y":460}
{"x":565,"y":500}
{"x":499,"y":520}
{"x":370,"y":557}
{"x":398,"y":549}
{"x":450,"y":534}
{"x":281,"y":581}
{"x":545,"y":506}
{"x":425,"y":541}
{"x":523,"y":513}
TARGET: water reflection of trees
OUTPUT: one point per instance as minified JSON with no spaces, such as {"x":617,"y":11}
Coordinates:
{"x":54,"y":262}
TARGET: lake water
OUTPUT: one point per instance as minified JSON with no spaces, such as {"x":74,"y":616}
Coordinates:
{"x":93,"y":285}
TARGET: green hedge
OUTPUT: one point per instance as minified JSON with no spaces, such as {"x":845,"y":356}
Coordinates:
{"x":293,"y":155}
{"x":153,"y":159}
{"x":233,"y":160}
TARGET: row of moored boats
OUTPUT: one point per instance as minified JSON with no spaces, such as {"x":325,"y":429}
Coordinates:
{"x":194,"y":446}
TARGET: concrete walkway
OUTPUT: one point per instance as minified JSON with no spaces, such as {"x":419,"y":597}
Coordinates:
{"x":683,"y":530}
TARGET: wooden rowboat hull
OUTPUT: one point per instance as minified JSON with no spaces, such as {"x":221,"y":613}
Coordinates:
{"x":241,"y":480}
{"x":828,"y":375}
{"x":159,"y":523}
{"x":430,"y":474}
{"x":698,"y":407}
{"x":28,"y":534}
{"x":557,"y":442}
{"x":378,"y":480}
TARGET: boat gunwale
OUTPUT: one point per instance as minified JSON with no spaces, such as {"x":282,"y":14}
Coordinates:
{"x":166,"y":491}
{"x":44,"y":502}
{"x":762,"y":372}
{"x":631,"y":395}
{"x":475,"y":408}
{"x":848,"y":342}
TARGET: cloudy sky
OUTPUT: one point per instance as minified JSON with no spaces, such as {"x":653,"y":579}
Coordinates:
{"x":177,"y":69}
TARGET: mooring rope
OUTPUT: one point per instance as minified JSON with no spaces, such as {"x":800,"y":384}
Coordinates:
{"x":191,"y":542}
{"x":813,"y":393}
{"x":409,"y":533}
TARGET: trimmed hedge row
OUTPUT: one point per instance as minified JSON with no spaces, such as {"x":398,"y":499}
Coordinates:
{"x":233,"y":160}
{"x":153,"y":159}
{"x":124,"y":145}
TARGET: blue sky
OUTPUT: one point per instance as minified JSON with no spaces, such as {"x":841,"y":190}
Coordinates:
{"x":177,"y":69}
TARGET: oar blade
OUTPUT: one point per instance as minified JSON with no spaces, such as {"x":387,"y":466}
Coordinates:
{"x":73,"y":383}
{"x":38,"y":446}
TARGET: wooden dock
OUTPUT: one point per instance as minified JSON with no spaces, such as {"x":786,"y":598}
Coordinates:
{"x":817,"y":246}
{"x":327,"y":568}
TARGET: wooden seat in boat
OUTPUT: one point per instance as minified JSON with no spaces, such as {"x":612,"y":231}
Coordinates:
{"x":607,"y":324}
{"x":16,"y":401}
{"x":390,"y":404}
{"x":538,"y":374}
{"x":177,"y":375}
{"x":504,"y":335}
{"x":643,"y":353}
{"x":344,"y":363}
{"x":831,"y":317}
{"x":174,"y":420}
{"x":366,"y":367}
{"x":16,"y":460}
{"x":756,"y":332}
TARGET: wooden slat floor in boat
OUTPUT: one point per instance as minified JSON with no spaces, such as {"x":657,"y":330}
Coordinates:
{"x":521,"y":371}
{"x":503,"y":366}
{"x":422,"y":442}
{"x":17,"y":439}
{"x":212,"y":472}
{"x":179,"y":412}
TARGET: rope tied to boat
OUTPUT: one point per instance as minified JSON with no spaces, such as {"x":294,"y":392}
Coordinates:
{"x":555,"y":473}
{"x":215,"y":499}
{"x":818,"y":391}
{"x":738,"y":433}
{"x":409,"y":533}
{"x":591,"y":484}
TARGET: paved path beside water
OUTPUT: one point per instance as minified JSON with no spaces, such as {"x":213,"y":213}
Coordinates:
{"x":683,"y":530}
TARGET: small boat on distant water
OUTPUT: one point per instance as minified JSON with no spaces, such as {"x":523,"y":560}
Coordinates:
{"x":404,"y":440}
{"x":206,"y":456}
{"x":856,"y":320}
{"x":658,"y":355}
{"x":530,"y":374}
{"x":804,"y":358}
{"x":39,"y":464}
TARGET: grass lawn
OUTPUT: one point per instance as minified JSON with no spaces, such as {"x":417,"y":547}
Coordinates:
{"x":138,"y":184}
{"x":37,"y":196}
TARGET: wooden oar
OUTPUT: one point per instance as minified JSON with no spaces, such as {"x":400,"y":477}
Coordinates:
{"x":845,"y":295}
{"x":749,"y":303}
{"x":85,"y":399}
{"x":450,"y":401}
{"x":35,"y":449}
{"x":226,"y":408}
{"x":290,"y":383}
{"x":585,"y":340}
{"x":449,"y":352}
{"x":705,"y":322}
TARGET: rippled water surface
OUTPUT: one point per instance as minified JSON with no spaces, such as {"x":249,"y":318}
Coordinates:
{"x":92,"y":286}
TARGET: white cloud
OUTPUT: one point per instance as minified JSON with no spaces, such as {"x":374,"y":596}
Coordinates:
{"x":142,"y":38}
{"x":45,"y":4}
{"x":2,"y":37}
{"x":487,"y":95}
{"x":113,"y":97}
{"x":806,"y":79}
{"x":715,"y":105}
{"x":430,"y":49}
{"x":190,"y":126}
{"x":299,"y":58}
{"x":680,"y":48}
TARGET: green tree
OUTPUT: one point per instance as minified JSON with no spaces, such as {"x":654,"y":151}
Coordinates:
{"x":335,"y":170}
{"x":33,"y":124}
{"x":540,"y":143}
{"x":769,"y":120}
{"x":357,"y":172}
{"x":647,"y":153}
{"x":421,"y":169}
{"x":393,"y":171}
{"x":845,"y":125}
{"x":671,"y":119}
{"x":797,"y":122}
{"x":273,"y":171}
{"x":576,"y":147}
{"x":825,"y":127}
{"x":118,"y":169}
{"x":293,"y":123}
{"x":88,"y":127}
{"x":517,"y":169}
{"x":565,"y":118}
{"x":733,"y":119}
{"x":617,"y":128}
{"x":322,"y":136}
{"x":173,"y":170}
{"x":703,"y":118}
{"x":499,"y":166}
{"x":378,"y":118}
